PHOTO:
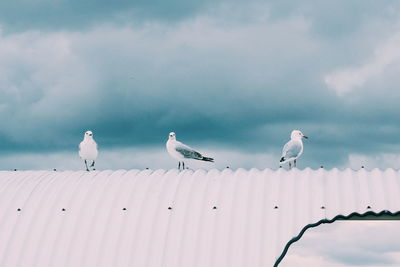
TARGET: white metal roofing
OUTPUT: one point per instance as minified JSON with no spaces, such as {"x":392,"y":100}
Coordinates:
{"x":172,"y":219}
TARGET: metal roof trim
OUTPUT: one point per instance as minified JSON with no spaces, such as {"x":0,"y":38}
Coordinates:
{"x":329,"y":221}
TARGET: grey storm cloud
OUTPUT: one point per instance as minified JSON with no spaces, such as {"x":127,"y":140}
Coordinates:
{"x":331,"y":19}
{"x":72,"y":14}
{"x":238,"y":76}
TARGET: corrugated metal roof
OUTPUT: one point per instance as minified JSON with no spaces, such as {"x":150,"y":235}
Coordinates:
{"x":170,"y":218}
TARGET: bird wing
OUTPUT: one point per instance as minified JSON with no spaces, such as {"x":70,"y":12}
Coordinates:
{"x":187,"y":152}
{"x":285,"y":148}
{"x":291,"y":149}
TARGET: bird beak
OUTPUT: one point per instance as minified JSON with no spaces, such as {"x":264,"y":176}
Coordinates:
{"x":305,"y":137}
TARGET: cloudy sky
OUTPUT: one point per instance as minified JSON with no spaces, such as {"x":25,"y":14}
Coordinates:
{"x":231,"y":78}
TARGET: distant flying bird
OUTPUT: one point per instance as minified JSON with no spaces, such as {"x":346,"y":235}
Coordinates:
{"x":180,"y":151}
{"x":293,"y":149}
{"x":88,"y":149}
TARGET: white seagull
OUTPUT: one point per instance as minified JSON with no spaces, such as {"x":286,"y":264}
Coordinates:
{"x":88,"y":149}
{"x":180,"y":151}
{"x":293,"y":149}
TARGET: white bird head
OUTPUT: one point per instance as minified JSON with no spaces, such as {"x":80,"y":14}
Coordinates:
{"x":297,"y":135}
{"x":88,"y":134}
{"x":172,"y":136}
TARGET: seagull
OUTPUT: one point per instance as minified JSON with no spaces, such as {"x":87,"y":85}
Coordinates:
{"x":88,"y":149}
{"x":180,"y":151}
{"x":293,"y":149}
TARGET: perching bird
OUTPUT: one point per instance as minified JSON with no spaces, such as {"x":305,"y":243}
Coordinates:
{"x":181,"y":151}
{"x":293,"y":149}
{"x":88,"y":149}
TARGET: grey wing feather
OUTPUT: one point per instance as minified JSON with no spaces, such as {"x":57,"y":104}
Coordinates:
{"x":291,"y":150}
{"x":188,"y":152}
{"x":284,"y":150}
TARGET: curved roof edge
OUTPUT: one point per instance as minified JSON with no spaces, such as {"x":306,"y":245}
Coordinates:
{"x":327,"y":221}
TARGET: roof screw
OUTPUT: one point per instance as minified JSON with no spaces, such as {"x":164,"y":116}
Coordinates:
{"x":147,"y":168}
{"x":18,"y":209}
{"x":322,"y":167}
{"x":214,"y":208}
{"x":276,"y":207}
{"x":227,"y":167}
{"x":63,"y":209}
{"x":169,"y":208}
{"x":124,"y":209}
{"x":368,"y":207}
{"x":55,"y":170}
{"x":15,"y":170}
{"x":280,"y":167}
{"x":323,"y":207}
{"x":362,"y":167}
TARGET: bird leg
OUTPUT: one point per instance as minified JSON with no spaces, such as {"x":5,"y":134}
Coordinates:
{"x":179,"y":165}
{"x":92,"y":164}
{"x":183,"y":165}
{"x":290,"y":165}
{"x":87,"y":169}
{"x":295,"y":163}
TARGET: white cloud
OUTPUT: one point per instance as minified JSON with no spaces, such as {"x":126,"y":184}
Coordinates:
{"x":381,"y":160}
{"x":43,"y":82}
{"x":351,"y":78}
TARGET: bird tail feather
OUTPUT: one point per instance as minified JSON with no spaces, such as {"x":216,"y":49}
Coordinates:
{"x":207,"y":159}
